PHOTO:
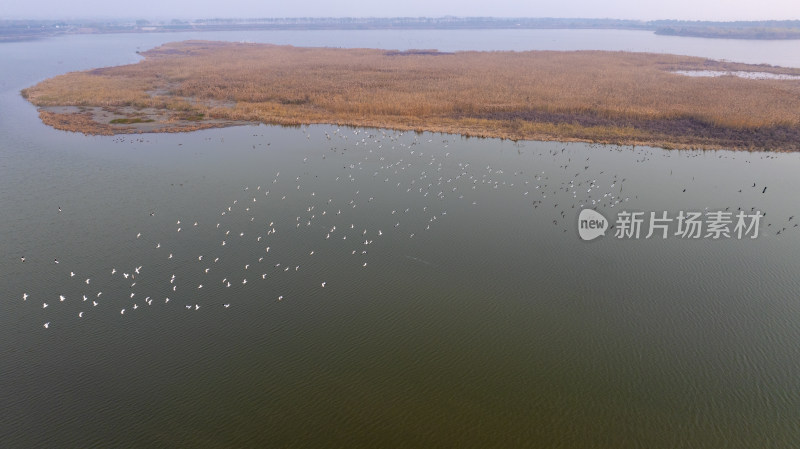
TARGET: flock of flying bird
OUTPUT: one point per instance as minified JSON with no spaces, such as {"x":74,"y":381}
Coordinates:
{"x":396,"y":185}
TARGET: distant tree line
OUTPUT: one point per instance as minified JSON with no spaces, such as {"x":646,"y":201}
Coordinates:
{"x":770,"y":29}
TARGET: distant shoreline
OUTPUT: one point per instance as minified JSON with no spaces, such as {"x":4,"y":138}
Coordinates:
{"x":16,"y":30}
{"x":591,"y":96}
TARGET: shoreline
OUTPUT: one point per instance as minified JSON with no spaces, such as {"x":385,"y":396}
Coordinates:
{"x":590,"y":96}
{"x":80,"y":122}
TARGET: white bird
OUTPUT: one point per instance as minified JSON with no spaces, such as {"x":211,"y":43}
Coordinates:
{"x":87,"y":281}
{"x":80,"y":314}
{"x":61,"y":298}
{"x":226,"y":305}
{"x":44,"y":305}
{"x":71,"y":274}
{"x":24,"y":296}
{"x":323,"y":285}
{"x":46,"y":325}
{"x":122,"y":312}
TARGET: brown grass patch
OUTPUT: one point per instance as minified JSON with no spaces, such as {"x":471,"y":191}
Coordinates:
{"x":612,"y":97}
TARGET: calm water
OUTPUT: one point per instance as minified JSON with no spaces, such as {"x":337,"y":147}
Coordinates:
{"x":480,"y":319}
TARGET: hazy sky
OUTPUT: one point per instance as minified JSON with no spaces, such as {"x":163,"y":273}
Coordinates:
{"x":622,"y":9}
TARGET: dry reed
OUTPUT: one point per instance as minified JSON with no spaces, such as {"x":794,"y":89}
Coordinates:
{"x":597,"y":96}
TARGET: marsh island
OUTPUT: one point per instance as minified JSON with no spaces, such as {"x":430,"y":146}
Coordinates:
{"x":593,"y":96}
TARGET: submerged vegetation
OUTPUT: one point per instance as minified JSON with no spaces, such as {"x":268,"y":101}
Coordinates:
{"x":118,"y":121}
{"x":596,"y":96}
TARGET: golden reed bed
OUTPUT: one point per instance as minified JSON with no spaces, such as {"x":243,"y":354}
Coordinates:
{"x":595,"y":96}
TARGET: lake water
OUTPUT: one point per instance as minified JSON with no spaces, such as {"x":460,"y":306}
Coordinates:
{"x":740,"y":74}
{"x":480,"y":319}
